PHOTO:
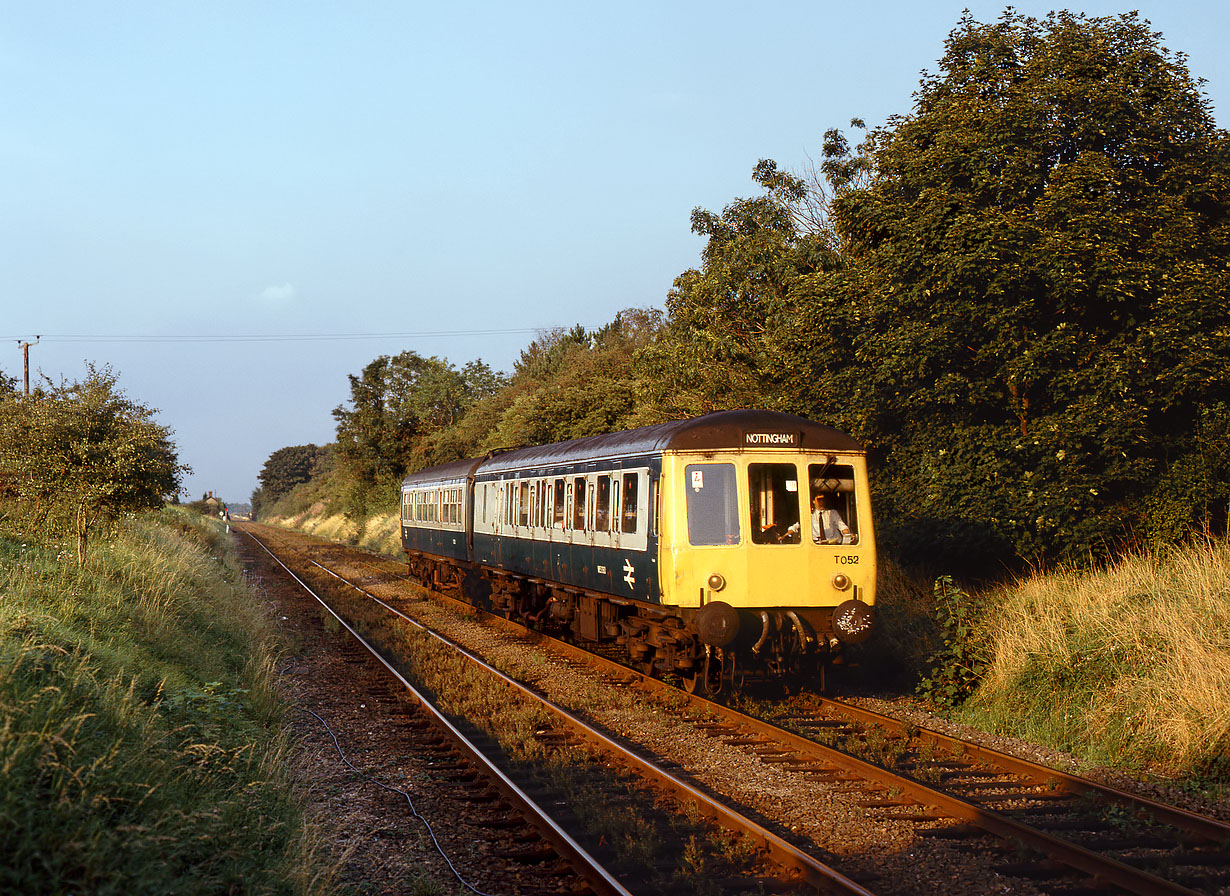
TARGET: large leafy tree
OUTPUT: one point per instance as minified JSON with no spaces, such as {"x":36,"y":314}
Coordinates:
{"x":1035,"y":290}
{"x":79,"y":453}
{"x":286,"y":468}
{"x":573,"y":383}
{"x":398,"y":406}
{"x":722,"y":346}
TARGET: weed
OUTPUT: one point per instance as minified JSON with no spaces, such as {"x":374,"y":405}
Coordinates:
{"x":958,"y":665}
{"x":694,"y":856}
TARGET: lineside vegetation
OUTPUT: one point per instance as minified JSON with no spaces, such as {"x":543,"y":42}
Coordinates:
{"x":1126,"y":665}
{"x":142,"y":746}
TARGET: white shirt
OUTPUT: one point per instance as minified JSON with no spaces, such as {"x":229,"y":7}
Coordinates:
{"x":827,"y":527}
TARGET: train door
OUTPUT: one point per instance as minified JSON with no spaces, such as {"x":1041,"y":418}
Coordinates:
{"x":560,"y":545}
{"x":776,"y":560}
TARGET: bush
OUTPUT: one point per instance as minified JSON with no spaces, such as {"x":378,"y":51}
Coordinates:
{"x":958,"y":665}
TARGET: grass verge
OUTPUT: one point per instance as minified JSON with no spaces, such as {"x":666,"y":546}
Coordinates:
{"x":1126,"y":666}
{"x":141,"y":743}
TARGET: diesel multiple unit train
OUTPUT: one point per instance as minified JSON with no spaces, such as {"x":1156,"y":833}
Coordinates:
{"x":732,"y":543}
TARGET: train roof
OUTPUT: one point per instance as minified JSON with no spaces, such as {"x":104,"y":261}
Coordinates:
{"x":457,"y":470}
{"x":731,"y":430}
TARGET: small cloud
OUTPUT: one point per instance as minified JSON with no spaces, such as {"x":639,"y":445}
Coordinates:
{"x":277,"y":295}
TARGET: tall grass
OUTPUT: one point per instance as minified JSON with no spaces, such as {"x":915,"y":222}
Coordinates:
{"x":379,"y":532}
{"x":140,"y":744}
{"x":1126,"y":665}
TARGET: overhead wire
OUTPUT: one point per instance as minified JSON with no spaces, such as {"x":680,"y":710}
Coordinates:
{"x":276,"y":337}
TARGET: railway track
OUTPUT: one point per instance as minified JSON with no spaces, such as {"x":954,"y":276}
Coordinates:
{"x":1039,"y":829}
{"x":775,"y":865}
{"x":504,"y":821}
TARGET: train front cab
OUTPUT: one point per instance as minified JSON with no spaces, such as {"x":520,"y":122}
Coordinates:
{"x":737,"y":552}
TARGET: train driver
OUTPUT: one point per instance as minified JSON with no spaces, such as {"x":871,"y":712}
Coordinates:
{"x":827,"y":526}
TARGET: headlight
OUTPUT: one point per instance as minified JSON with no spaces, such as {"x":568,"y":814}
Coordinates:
{"x":716,"y":582}
{"x":841,"y":581}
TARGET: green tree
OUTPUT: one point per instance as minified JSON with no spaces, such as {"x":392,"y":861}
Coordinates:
{"x":575,"y":383}
{"x":1037,"y":266}
{"x":402,"y":408}
{"x":288,"y":467}
{"x":80,"y":453}
{"x":722,"y":346}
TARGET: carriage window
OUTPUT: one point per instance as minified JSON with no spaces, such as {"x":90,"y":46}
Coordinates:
{"x":578,"y":503}
{"x":774,"y":493}
{"x":834,"y":514}
{"x":558,"y":514}
{"x":523,"y":504}
{"x":713,"y":505}
{"x":602,"y":506}
{"x":628,"y":520}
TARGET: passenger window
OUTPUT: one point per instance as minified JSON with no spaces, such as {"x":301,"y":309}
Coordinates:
{"x":628,"y":520}
{"x":602,"y":505}
{"x":558,"y":518}
{"x":578,"y":503}
{"x":834,"y":514}
{"x":712,"y":504}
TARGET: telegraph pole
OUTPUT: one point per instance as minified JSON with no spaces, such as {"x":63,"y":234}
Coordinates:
{"x":25,"y":351}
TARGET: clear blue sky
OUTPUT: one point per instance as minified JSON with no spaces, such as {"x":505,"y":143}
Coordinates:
{"x":458,"y":174}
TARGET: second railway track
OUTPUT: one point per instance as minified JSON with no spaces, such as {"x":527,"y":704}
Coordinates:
{"x":929,"y":811}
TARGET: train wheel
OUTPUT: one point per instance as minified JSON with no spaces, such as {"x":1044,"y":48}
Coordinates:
{"x":706,"y":677}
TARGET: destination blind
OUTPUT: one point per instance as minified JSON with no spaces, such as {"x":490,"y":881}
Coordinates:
{"x":770,"y":440}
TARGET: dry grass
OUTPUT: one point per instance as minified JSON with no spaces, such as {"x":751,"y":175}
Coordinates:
{"x":379,"y":533}
{"x":1129,"y":663}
